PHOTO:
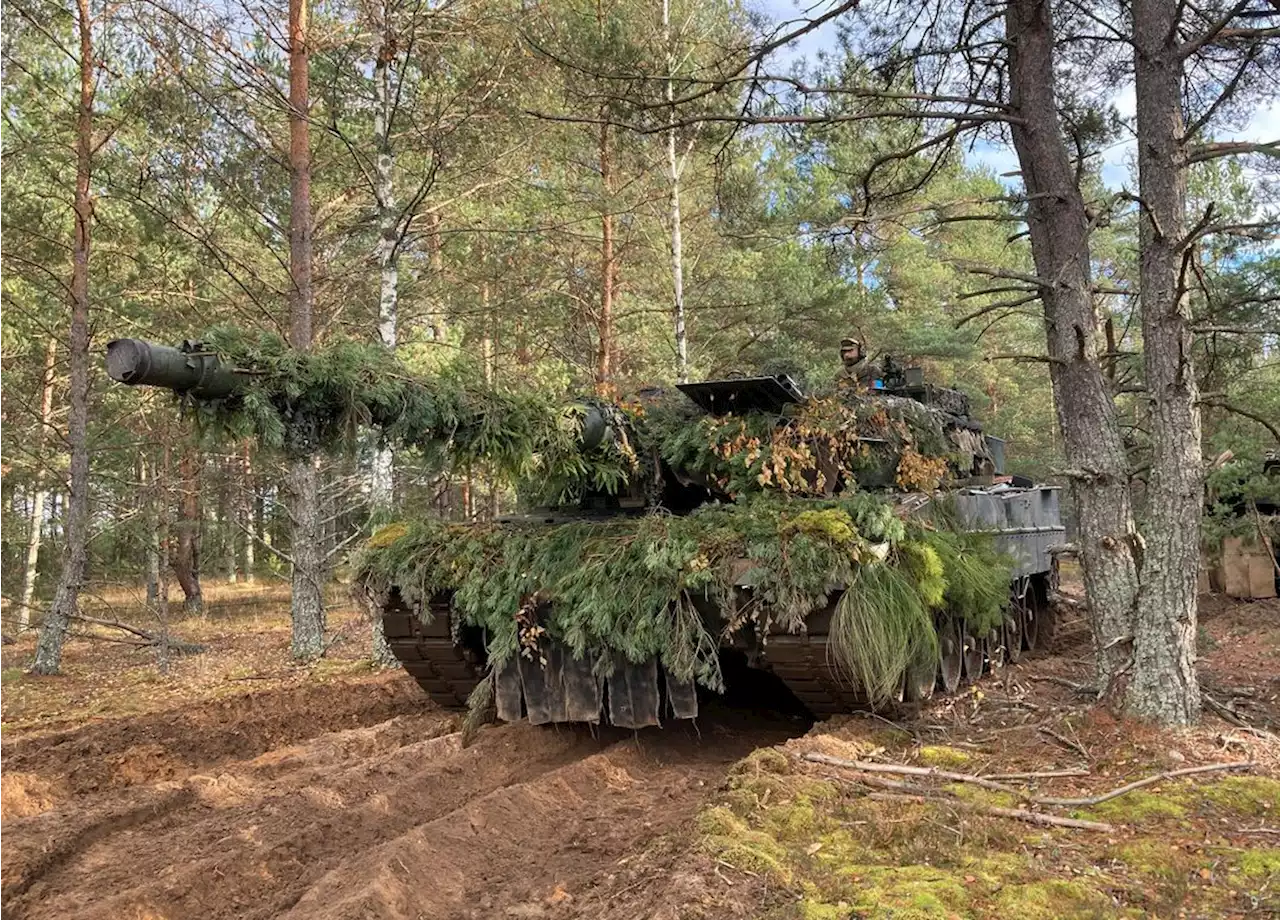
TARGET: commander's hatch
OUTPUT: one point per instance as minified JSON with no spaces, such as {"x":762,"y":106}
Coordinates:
{"x":743,"y":394}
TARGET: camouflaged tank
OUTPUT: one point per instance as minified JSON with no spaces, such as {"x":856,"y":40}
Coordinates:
{"x":467,"y":611}
{"x":448,"y":651}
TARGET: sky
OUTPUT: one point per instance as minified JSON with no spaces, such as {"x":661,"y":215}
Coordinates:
{"x":1117,"y":170}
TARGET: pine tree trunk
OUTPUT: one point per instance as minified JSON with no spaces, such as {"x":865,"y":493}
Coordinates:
{"x":1059,"y":230}
{"x":186,"y":562}
{"x":307,"y":553}
{"x":608,"y":270}
{"x":53,"y":632}
{"x":249,"y":516}
{"x":151,"y":497}
{"x":307,"y":601}
{"x":40,"y":499}
{"x":673,"y":176}
{"x":1164,"y":685}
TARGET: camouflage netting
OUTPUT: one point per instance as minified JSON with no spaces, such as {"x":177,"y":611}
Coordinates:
{"x":634,"y":585}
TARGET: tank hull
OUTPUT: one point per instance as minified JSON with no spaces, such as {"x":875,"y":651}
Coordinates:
{"x":447,"y":659}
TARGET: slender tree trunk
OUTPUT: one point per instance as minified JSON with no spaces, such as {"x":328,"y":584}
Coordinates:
{"x":435,"y":246}
{"x":149,"y":479}
{"x":186,"y":562}
{"x":249,"y":515}
{"x":1164,"y":686}
{"x":608,"y":272}
{"x":1059,"y":230}
{"x":388,"y":226}
{"x":38,"y":501}
{"x":53,"y":631}
{"x":307,"y":600}
{"x":673,"y":175}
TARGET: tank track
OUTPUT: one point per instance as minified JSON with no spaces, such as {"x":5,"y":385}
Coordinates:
{"x":447,"y":672}
{"x":804,"y":662}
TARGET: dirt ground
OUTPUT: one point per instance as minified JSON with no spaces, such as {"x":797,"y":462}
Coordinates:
{"x":237,"y":786}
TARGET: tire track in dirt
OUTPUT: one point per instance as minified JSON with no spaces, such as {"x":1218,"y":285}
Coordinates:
{"x":372,"y":822}
{"x":252,"y":836}
{"x":108,"y":755}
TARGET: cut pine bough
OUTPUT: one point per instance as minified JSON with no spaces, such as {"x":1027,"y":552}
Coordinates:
{"x":1020,"y":814}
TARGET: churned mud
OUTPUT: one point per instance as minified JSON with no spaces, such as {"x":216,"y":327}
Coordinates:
{"x":266,"y":805}
{"x":352,"y":797}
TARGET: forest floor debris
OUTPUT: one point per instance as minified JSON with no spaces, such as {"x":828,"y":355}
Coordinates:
{"x":236,"y":786}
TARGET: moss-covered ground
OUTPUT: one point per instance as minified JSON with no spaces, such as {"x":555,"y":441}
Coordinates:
{"x":822,"y":848}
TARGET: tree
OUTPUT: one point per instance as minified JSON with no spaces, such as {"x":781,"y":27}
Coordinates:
{"x":57,"y":621}
{"x":307,"y":551}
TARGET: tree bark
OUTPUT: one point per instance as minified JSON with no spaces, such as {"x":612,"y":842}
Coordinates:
{"x":186,"y":561}
{"x":31,"y":569}
{"x":1164,"y":686}
{"x":248,"y":511}
{"x":608,"y":272}
{"x":307,"y":600}
{"x":148,"y":477}
{"x":388,"y":226}
{"x":1059,"y":230}
{"x":673,"y":176}
{"x":53,"y":632}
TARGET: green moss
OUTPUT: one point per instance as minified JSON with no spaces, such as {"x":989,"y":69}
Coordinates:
{"x":908,"y":892}
{"x":1152,"y":859}
{"x":817,"y":909}
{"x":977,"y":794}
{"x":942,"y":756}
{"x":763,"y":760}
{"x":1243,"y":795}
{"x":10,"y":676}
{"x":1053,"y":899}
{"x":1260,"y":863}
{"x":1137,"y":806}
{"x":728,"y":837}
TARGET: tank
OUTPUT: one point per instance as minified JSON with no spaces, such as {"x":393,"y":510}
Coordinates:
{"x":861,"y":543}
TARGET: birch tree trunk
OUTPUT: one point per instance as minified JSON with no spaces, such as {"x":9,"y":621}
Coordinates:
{"x":1059,"y":230}
{"x":388,"y":227}
{"x":53,"y":631}
{"x":673,"y":176}
{"x":307,"y":599}
{"x":1164,"y":685}
{"x":31,"y":568}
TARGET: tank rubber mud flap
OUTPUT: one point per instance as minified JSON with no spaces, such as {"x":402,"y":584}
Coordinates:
{"x":557,"y":687}
{"x":447,"y":672}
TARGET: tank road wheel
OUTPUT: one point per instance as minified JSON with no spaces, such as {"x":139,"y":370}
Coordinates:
{"x":950,"y":656}
{"x":919,"y":681}
{"x":1014,"y":620}
{"x":973,"y":655}
{"x":1031,"y":621}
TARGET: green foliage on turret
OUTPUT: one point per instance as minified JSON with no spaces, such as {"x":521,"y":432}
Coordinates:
{"x":635,"y":585}
{"x":301,"y":402}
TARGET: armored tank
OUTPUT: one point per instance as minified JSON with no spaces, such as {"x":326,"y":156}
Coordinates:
{"x":861,"y":543}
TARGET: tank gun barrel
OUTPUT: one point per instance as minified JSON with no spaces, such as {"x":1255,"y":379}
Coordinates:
{"x":189,"y":370}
